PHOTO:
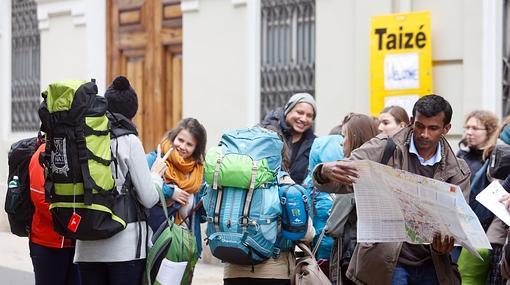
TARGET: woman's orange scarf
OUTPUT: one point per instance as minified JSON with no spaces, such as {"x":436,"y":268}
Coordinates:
{"x":185,"y":173}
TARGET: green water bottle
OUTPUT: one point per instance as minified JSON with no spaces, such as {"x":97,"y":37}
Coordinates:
{"x":14,"y":182}
{"x":13,"y":199}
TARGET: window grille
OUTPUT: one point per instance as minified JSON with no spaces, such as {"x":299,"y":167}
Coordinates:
{"x":506,"y":59}
{"x":287,"y":51}
{"x":25,"y":67}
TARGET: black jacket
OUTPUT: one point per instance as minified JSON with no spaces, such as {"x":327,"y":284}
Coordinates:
{"x":299,"y":152}
{"x":473,"y":157}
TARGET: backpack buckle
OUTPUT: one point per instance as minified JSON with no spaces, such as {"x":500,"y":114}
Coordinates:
{"x":244,"y":221}
{"x":276,"y":252}
{"x":283,"y":200}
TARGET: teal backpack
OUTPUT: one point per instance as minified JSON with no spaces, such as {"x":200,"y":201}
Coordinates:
{"x":242,"y":225}
{"x":241,"y":198}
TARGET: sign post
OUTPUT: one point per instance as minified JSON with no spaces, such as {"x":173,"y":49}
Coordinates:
{"x":400,"y":60}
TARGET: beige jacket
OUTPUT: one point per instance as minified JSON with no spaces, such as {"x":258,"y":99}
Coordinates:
{"x":375,"y":263}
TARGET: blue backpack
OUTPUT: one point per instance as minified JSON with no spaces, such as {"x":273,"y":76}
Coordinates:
{"x":322,"y":203}
{"x":241,"y":198}
{"x":242,"y":225}
{"x":294,"y":211}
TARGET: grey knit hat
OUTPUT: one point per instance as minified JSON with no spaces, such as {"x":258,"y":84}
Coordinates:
{"x":300,"y":98}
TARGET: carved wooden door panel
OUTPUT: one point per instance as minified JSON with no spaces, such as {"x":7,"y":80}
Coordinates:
{"x":145,"y":44}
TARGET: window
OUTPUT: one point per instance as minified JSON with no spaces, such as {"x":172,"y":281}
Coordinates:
{"x":25,"y":67}
{"x":288,"y":51}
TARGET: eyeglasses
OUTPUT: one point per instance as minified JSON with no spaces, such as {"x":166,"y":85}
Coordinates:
{"x":474,"y":128}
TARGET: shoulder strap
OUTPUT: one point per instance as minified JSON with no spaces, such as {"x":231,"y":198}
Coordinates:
{"x":389,"y":149}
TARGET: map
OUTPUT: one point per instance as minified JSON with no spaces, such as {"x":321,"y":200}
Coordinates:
{"x":395,"y":205}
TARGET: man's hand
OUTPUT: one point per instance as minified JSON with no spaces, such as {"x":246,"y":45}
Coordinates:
{"x":339,"y":171}
{"x":505,"y":199}
{"x":159,"y":166}
{"x":441,"y":246}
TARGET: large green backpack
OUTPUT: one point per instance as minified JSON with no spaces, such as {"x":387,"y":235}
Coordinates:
{"x":80,"y":187}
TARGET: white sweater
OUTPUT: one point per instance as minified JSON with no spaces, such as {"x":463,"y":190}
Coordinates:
{"x":122,"y":246}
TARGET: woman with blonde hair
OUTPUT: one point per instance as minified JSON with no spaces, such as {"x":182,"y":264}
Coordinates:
{"x":479,"y":129}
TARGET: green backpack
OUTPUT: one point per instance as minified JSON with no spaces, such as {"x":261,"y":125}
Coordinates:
{"x":172,"y":243}
{"x":80,"y":187}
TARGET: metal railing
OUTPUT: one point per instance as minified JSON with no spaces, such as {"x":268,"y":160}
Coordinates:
{"x":25,"y":67}
{"x":287,"y":51}
{"x":506,"y":59}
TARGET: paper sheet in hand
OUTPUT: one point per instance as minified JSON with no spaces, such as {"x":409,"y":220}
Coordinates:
{"x":395,"y":205}
{"x":170,"y":273}
{"x":489,"y":197}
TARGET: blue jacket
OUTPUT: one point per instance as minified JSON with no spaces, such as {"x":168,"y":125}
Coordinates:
{"x":324,"y":149}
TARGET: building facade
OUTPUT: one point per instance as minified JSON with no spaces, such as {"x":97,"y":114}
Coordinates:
{"x":239,"y":58}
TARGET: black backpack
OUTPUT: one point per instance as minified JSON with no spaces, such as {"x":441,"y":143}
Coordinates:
{"x":18,"y":205}
{"x":80,"y":185}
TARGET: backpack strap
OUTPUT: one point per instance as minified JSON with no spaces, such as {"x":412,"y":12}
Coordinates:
{"x":389,"y":149}
{"x":134,"y":210}
{"x":319,"y":240}
{"x":217,"y":209}
{"x":217,"y":169}
{"x":83,"y":156}
{"x":244,"y":220}
{"x":196,"y":208}
{"x":249,"y":195}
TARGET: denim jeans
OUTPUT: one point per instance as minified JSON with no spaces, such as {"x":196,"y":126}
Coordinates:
{"x":54,"y":265}
{"x":112,"y":273}
{"x":411,"y":275}
{"x":456,"y":253}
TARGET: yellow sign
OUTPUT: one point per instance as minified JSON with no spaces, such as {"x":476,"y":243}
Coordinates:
{"x":400,"y":60}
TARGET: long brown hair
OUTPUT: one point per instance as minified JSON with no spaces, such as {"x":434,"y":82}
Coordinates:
{"x":196,"y":129}
{"x":357,"y":129}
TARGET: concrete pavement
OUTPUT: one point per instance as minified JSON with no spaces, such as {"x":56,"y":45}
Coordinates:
{"x":16,"y":266}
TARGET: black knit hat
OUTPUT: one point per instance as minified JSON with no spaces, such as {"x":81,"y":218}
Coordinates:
{"x":122,"y":97}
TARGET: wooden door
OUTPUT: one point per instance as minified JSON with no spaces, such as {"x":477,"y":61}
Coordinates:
{"x":145,"y":45}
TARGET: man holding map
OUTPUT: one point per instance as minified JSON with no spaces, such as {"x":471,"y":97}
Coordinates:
{"x":420,"y":149}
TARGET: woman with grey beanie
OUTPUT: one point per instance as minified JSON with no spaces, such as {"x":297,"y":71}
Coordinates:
{"x":295,"y":122}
